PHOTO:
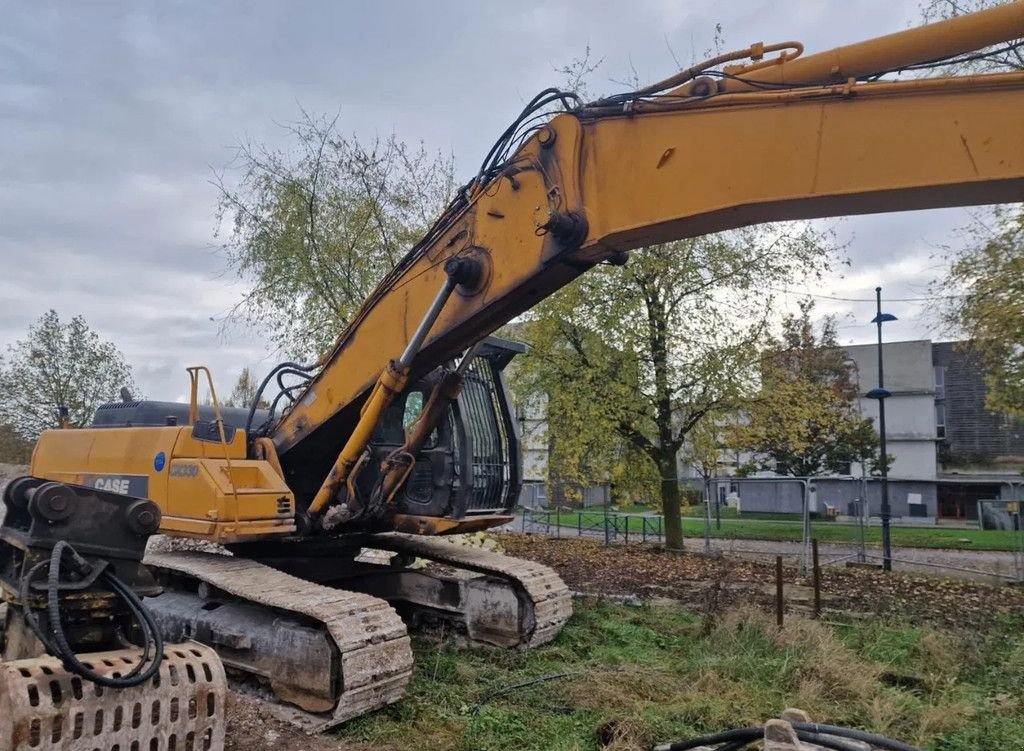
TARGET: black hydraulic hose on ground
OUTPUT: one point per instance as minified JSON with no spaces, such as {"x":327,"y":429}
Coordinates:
{"x":732,"y":737}
{"x":856,"y":735}
{"x":826,"y":736}
{"x":516,"y":686}
{"x":57,"y":643}
{"x":826,"y":742}
{"x":733,"y":746}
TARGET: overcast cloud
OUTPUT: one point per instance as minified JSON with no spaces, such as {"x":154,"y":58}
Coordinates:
{"x":113,"y":115}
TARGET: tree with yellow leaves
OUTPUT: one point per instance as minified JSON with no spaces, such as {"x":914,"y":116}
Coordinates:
{"x":990,"y":308}
{"x":632,"y":359}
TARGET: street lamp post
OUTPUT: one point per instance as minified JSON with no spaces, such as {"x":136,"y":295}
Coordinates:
{"x":881,"y":395}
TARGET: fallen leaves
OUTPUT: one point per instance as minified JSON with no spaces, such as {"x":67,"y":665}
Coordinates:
{"x":648,"y":571}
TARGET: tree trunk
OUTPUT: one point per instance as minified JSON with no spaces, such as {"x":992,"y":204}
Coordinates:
{"x":671,"y":504}
{"x":665,"y":453}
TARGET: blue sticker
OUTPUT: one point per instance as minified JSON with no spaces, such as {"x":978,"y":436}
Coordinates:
{"x":159,"y":461}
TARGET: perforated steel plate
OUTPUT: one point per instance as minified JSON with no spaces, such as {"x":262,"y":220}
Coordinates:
{"x":43,"y":707}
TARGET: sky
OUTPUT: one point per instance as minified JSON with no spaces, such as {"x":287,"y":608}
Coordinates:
{"x":114,"y":118}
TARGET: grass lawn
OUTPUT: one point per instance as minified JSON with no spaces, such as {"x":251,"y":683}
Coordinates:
{"x":790,"y":531}
{"x":649,"y":674}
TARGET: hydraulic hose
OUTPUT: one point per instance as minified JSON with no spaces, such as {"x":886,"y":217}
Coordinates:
{"x":56,"y":641}
{"x":289,"y":366}
{"x":825,"y":736}
{"x":857,"y":735}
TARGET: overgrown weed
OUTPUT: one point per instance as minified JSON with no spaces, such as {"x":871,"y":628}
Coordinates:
{"x":653,"y":673}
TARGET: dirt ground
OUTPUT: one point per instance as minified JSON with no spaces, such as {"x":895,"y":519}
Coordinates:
{"x":7,"y":471}
{"x":252,"y":728}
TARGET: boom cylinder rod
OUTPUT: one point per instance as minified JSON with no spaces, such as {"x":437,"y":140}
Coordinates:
{"x":428,"y":321}
{"x":955,"y":36}
{"x":390,"y":382}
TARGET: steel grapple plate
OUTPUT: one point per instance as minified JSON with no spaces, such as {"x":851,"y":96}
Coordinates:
{"x":44,"y":707}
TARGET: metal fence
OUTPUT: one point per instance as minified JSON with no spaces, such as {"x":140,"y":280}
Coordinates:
{"x":613,"y":527}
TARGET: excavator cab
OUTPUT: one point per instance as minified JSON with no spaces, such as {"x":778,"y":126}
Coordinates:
{"x":471,"y":464}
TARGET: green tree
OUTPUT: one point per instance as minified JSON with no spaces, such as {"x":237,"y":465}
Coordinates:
{"x":244,"y":391}
{"x":58,"y":365}
{"x":804,"y":420}
{"x":313,"y":228}
{"x":582,"y":451}
{"x":14,"y":448}
{"x":987,"y":305}
{"x":702,"y":452}
{"x":632,"y":359}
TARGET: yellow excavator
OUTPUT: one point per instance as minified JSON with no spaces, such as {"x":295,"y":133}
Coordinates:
{"x":403,"y":431}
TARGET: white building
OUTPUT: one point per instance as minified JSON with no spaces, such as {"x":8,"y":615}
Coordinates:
{"x":909,"y":412}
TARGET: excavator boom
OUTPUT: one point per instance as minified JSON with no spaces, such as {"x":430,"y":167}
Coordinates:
{"x":789,"y":138}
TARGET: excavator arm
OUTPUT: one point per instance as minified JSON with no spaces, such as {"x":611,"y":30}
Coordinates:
{"x":779,"y":139}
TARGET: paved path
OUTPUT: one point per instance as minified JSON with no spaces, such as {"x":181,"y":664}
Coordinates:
{"x":978,"y":565}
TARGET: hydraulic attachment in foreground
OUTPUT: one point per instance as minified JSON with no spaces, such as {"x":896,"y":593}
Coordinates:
{"x":71,"y":677}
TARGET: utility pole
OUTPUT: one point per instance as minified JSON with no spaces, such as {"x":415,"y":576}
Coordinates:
{"x":881,"y":395}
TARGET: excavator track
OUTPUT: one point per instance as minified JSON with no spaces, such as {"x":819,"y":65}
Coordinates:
{"x":373,"y":653}
{"x":548,"y":601}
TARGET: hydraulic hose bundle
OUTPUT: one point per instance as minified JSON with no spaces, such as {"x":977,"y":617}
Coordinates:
{"x":832,"y":737}
{"x":55,"y":639}
{"x":303,"y":372}
{"x":71,"y":562}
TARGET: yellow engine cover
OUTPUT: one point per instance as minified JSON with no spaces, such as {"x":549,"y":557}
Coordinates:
{"x":204,"y":488}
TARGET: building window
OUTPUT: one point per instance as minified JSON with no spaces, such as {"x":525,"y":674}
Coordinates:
{"x":940,"y":420}
{"x":940,"y":381}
